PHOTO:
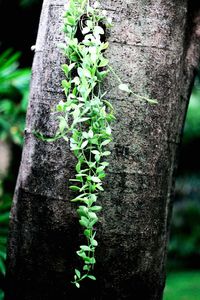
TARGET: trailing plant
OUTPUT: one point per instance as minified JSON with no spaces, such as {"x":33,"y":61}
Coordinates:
{"x":87,"y":115}
{"x":90,"y":115}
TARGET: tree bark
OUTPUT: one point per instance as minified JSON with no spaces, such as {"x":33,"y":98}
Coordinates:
{"x":154,"y":46}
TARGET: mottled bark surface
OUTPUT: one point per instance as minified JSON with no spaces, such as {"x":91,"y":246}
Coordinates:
{"x":154,"y":46}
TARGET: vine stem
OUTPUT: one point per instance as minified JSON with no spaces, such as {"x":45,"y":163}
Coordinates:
{"x":153,"y":101}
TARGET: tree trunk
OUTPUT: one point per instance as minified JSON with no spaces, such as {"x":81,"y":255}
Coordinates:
{"x":154,"y":46}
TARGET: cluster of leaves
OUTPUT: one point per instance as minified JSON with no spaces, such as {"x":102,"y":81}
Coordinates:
{"x":14,"y":89}
{"x":87,"y":116}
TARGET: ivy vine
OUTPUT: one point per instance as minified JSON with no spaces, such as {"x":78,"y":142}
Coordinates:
{"x":87,"y":115}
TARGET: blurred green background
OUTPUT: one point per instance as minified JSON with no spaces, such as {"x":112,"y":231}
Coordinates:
{"x":18,"y":29}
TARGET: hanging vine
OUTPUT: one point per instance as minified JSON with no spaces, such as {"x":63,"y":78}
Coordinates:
{"x":90,"y":115}
{"x":87,"y":115}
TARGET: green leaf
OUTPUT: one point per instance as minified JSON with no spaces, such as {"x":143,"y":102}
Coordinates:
{"x":84,"y":221}
{"x":124,"y":87}
{"x":108,"y":130}
{"x":66,"y":84}
{"x":94,"y":243}
{"x":100,"y":187}
{"x":97,"y":157}
{"x":105,"y":164}
{"x":74,"y":188}
{"x":84,"y":144}
{"x":95,"y":179}
{"x":86,"y":73}
{"x":98,"y":30}
{"x":81,"y":253}
{"x":100,"y":169}
{"x":78,"y":273}
{"x":95,"y":152}
{"x":104,"y":46}
{"x":71,"y":20}
{"x":62,"y":124}
{"x":65,"y":69}
{"x":108,"y":104}
{"x":86,"y":268}
{"x":83,"y":211}
{"x":104,"y":62}
{"x":106,"y":153}
{"x":77,"y":285}
{"x":85,"y":248}
{"x":92,"y":215}
{"x":82,"y":120}
{"x":96,"y":208}
{"x":91,"y":277}
{"x":87,"y":232}
{"x":78,"y":167}
{"x":90,"y":133}
{"x":106,"y":142}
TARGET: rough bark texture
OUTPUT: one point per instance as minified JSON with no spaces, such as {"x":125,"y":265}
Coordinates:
{"x":154,"y":46}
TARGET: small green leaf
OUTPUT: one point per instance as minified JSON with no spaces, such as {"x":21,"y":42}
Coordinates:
{"x":91,"y":277}
{"x":71,"y":20}
{"x":104,"y":62}
{"x":124,"y":87}
{"x":97,"y":157}
{"x":74,"y":188}
{"x":77,"y":285}
{"x":87,"y":232}
{"x":84,"y":144}
{"x":84,"y":221}
{"x":82,"y":120}
{"x":85,"y":248}
{"x":96,"y":208}
{"x":98,"y":30}
{"x":94,"y":243}
{"x":86,"y":268}
{"x":106,"y":142}
{"x":105,"y":163}
{"x":100,"y":187}
{"x":78,"y":167}
{"x":78,"y":273}
{"x":95,"y":179}
{"x":95,"y":152}
{"x":92,"y":215}
{"x":106,"y":153}
{"x":108,"y":130}
{"x":104,"y":46}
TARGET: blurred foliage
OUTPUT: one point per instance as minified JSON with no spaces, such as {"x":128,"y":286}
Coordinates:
{"x":182,"y":286}
{"x":27,"y":3}
{"x":184,"y":246}
{"x":5,"y":203}
{"x":192,"y":124}
{"x":14,"y":89}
